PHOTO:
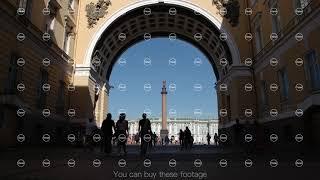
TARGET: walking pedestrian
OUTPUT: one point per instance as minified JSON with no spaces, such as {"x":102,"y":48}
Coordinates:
{"x":108,"y":128}
{"x":145,"y":133}
{"x":122,"y":134}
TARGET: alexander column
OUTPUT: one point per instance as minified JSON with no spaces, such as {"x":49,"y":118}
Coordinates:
{"x":164,"y":131}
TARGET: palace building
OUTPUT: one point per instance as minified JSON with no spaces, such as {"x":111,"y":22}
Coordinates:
{"x":198,"y":127}
{"x":57,"y":57}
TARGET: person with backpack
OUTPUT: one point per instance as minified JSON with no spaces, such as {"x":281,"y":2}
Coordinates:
{"x":188,"y":138}
{"x":144,"y":131}
{"x":122,"y":131}
{"x":107,"y":128}
{"x":208,"y":139}
{"x":181,"y":139}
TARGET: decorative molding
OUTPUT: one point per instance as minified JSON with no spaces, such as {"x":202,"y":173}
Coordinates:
{"x":232,"y":8}
{"x":95,"y":11}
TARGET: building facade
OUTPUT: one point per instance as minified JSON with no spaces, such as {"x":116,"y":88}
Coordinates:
{"x":284,"y":59}
{"x":37,"y":46}
{"x":199,"y":128}
{"x":264,"y":53}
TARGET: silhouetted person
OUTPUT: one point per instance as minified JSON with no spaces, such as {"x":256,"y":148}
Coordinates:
{"x":144,"y":131}
{"x":107,"y":128}
{"x":166,"y":140}
{"x":187,"y":138}
{"x":137,"y":138}
{"x":122,"y":133}
{"x":181,"y":139}
{"x":154,"y":139}
{"x":208,"y":138}
{"x":216,"y":139}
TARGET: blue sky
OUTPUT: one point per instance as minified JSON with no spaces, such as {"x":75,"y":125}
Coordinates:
{"x":146,"y":64}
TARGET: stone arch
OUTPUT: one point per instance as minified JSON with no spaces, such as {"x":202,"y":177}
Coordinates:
{"x":204,"y":19}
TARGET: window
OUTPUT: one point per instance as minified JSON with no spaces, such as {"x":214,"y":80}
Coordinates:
{"x":14,"y":75}
{"x":301,"y":3}
{"x":229,"y":107}
{"x":50,"y":23}
{"x":253,"y":2}
{"x":264,"y":93}
{"x":276,"y":27}
{"x":41,"y":94}
{"x":284,"y":84}
{"x":258,"y":32}
{"x":2,"y":117}
{"x":67,"y":39}
{"x":60,"y":99}
{"x":264,"y":102}
{"x":13,"y":71}
{"x":27,"y":6}
{"x":313,"y":70}
{"x":71,"y":4}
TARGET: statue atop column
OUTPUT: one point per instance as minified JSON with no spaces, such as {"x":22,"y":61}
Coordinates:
{"x":164,"y":131}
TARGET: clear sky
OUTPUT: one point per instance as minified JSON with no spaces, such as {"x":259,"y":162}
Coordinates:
{"x":138,"y":74}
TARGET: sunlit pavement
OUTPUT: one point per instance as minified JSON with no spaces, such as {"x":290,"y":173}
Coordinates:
{"x":202,"y":162}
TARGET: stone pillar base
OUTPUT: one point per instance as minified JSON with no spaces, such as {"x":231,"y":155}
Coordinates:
{"x":163,"y":133}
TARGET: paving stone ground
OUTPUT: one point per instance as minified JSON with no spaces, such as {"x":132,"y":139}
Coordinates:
{"x":207,"y":164}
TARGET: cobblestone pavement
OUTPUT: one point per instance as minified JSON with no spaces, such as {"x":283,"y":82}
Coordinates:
{"x":202,"y":162}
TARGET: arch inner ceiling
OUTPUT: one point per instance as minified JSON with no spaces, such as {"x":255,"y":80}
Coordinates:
{"x":185,"y":23}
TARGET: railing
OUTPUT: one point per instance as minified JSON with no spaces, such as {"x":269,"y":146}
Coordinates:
{"x":314,"y":4}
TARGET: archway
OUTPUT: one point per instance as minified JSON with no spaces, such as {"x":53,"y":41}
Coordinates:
{"x":191,"y":95}
{"x":172,"y":18}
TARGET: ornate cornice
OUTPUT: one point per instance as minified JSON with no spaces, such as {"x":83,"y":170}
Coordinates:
{"x":95,"y":11}
{"x":231,"y":8}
